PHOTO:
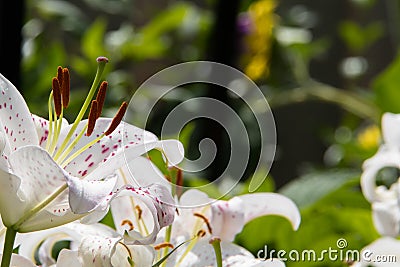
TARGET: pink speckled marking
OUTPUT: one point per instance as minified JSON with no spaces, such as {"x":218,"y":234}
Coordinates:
{"x":88,"y":157}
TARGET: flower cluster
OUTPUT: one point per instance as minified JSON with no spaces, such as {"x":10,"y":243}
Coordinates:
{"x":58,"y":180}
{"x":385,"y":201}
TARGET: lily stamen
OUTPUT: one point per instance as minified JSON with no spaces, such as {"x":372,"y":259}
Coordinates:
{"x":117,"y":119}
{"x":57,"y":96}
{"x":201,"y":233}
{"x":101,"y":96}
{"x":92,"y":117}
{"x":139,"y":211}
{"x":65,"y":87}
{"x":163,"y":245}
{"x":206,"y":221}
{"x":60,"y":75}
{"x":129,"y":223}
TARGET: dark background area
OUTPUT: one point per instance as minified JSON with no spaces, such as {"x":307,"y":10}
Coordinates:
{"x":300,"y":143}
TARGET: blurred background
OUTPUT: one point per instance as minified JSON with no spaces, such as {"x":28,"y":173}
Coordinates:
{"x":329,"y":69}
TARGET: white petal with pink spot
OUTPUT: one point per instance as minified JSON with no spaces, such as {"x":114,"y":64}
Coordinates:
{"x":154,"y":199}
{"x":15,"y":118}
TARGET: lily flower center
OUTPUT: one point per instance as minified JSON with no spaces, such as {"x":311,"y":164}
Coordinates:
{"x":59,"y":98}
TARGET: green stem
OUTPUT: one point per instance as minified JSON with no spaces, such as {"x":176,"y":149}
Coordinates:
{"x":167,"y":239}
{"x":313,"y":90}
{"x":8,"y":247}
{"x":216,"y":243}
{"x":96,"y":82}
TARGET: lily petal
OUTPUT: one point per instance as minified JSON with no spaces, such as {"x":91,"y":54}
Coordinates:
{"x":229,"y":217}
{"x":173,"y":150}
{"x":194,"y":198}
{"x":42,"y":128}
{"x":52,"y":216}
{"x":85,"y":196}
{"x":68,"y":258}
{"x":15,"y":118}
{"x":124,"y":209}
{"x":391,"y":129}
{"x":154,"y":199}
{"x":96,"y":251}
{"x":111,"y":152}
{"x":35,"y":177}
{"x":202,"y":254}
{"x":240,"y":260}
{"x":4,"y":165}
{"x":107,"y":147}
{"x":99,"y":245}
{"x":141,"y":171}
{"x":190,"y":202}
{"x":40,"y":175}
{"x":385,"y":157}
{"x":44,"y":241}
{"x":383,"y":247}
{"x":10,"y":184}
{"x":386,"y":217}
{"x":138,"y":254}
{"x":130,"y":152}
{"x":18,"y":260}
{"x":31,"y":242}
{"x":261,"y":204}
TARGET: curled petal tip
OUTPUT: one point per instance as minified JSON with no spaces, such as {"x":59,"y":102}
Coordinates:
{"x":261,"y":204}
{"x":174,"y":151}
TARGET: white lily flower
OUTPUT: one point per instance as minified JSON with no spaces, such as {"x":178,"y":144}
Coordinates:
{"x":198,"y":215}
{"x":90,"y":246}
{"x":97,"y":251}
{"x":52,"y":173}
{"x":385,"y":201}
{"x":221,"y":218}
{"x":384,"y":252}
{"x":227,"y":218}
{"x":135,"y":217}
{"x":202,"y":255}
{"x":224,"y":219}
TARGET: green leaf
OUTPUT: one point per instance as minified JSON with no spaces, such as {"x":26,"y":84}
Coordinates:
{"x":359,"y":38}
{"x":186,"y":134}
{"x":152,"y":41}
{"x":93,"y":40}
{"x":386,"y":88}
{"x":168,"y":20}
{"x":310,"y":188}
